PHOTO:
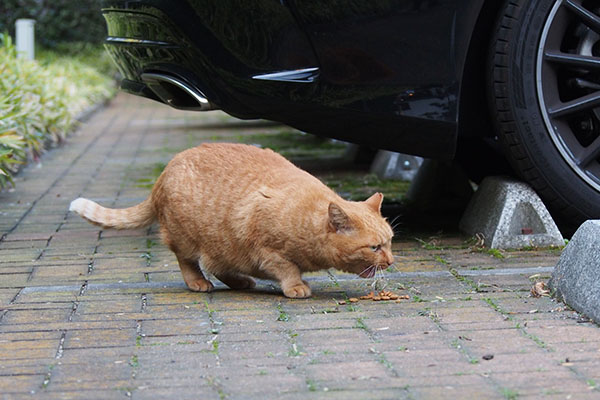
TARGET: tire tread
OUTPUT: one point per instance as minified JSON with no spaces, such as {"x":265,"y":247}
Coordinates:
{"x":505,"y":121}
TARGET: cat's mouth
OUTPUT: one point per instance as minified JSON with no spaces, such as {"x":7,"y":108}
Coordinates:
{"x":368,"y":273}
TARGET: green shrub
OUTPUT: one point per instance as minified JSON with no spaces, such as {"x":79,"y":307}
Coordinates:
{"x":38,"y":102}
{"x":57,"y":21}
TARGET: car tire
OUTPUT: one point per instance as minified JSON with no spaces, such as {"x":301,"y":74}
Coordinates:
{"x":544,"y":92}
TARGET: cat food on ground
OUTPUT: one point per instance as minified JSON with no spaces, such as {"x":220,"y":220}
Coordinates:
{"x":383,"y":296}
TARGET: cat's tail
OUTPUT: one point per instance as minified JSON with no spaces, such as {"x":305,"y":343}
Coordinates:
{"x":125,"y":218}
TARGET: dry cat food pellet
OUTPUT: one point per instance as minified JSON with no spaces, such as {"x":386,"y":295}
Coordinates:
{"x":367,"y":297}
{"x":403,"y":297}
{"x":383,"y":295}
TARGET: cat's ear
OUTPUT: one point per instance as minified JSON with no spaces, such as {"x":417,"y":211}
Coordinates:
{"x":338,"y":219}
{"x":375,"y":202}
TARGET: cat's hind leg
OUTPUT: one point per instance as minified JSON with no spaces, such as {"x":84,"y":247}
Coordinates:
{"x":236,"y":281}
{"x":193,"y":276}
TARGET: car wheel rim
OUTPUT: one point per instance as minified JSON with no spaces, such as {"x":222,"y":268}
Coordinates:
{"x":568,"y":84}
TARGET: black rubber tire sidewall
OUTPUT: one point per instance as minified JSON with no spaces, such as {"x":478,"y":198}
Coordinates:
{"x":516,"y":111}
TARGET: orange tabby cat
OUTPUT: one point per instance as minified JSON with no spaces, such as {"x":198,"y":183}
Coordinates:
{"x":242,"y":211}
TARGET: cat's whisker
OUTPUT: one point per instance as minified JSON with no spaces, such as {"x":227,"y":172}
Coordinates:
{"x":367,"y":269}
{"x":394,"y":231}
{"x":394,"y":220}
{"x":380,"y":280}
{"x":394,"y":266}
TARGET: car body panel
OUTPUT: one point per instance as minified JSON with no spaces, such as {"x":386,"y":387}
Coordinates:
{"x":384,"y":73}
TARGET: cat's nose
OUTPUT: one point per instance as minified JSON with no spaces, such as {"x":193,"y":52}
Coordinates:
{"x":389,"y":258}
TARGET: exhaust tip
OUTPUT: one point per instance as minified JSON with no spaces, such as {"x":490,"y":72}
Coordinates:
{"x":176,"y":92}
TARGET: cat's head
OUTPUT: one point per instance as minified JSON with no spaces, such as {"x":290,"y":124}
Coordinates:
{"x":360,"y":236}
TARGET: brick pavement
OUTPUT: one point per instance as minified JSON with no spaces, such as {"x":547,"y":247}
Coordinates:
{"x":86,"y":313}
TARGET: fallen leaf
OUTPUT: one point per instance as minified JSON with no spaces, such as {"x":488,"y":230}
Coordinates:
{"x":540,"y":289}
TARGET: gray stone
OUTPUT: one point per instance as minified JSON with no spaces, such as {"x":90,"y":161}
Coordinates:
{"x":576,"y":277}
{"x":510,"y":215}
{"x":390,"y":165}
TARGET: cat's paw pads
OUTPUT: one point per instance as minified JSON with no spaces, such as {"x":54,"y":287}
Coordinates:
{"x":299,"y":291}
{"x":200,"y":285}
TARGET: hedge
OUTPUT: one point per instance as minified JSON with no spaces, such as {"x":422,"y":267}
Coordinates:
{"x":57,"y":21}
{"x":39,"y":100}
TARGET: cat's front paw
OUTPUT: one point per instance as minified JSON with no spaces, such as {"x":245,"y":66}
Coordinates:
{"x":298,"y":291}
{"x":200,"y":285}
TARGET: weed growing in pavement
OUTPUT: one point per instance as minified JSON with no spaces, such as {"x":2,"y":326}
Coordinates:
{"x":418,"y":299}
{"x":510,"y":394}
{"x":468,"y":281}
{"x":48,"y":376}
{"x":539,"y":342}
{"x":383,"y":360}
{"x":215,"y":384}
{"x":592,"y":384}
{"x":215,"y":347}
{"x":312,"y":386}
{"x":360,"y":324}
{"x":431,"y":245}
{"x":441,"y":260}
{"x":283,"y":316}
{"x":294,"y":349}
{"x":134,"y":361}
{"x":333,"y":279}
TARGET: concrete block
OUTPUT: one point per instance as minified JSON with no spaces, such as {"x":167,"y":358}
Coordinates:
{"x":390,"y":165}
{"x":510,"y":215}
{"x":576,"y":277}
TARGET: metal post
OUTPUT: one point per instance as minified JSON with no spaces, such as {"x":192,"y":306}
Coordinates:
{"x":25,"y":38}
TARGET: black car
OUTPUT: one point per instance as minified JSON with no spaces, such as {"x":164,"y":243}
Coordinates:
{"x":437,"y":78}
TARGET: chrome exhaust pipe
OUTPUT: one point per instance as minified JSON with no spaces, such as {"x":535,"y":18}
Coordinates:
{"x":176,"y":92}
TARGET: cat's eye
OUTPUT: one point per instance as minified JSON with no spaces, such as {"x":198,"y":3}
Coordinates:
{"x":376,"y":248}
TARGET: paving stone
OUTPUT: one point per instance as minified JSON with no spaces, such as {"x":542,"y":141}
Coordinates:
{"x":128,"y":325}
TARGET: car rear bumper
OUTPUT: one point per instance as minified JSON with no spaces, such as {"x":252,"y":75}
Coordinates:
{"x":258,"y":63}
